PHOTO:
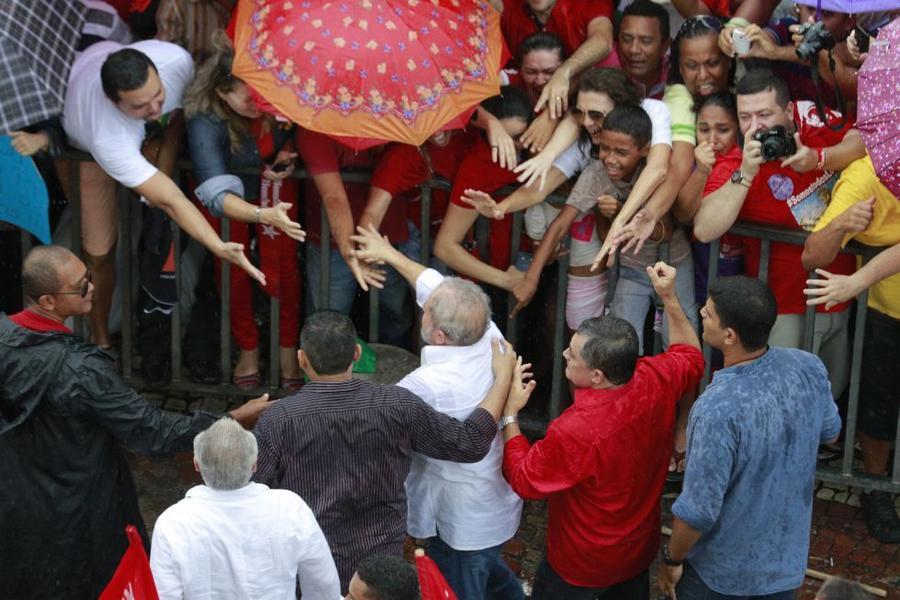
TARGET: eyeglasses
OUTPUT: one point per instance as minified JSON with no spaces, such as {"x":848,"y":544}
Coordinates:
{"x":595,"y":115}
{"x":699,"y":23}
{"x":82,"y":291}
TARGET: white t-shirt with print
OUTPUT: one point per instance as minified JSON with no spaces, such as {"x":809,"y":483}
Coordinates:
{"x":94,"y":124}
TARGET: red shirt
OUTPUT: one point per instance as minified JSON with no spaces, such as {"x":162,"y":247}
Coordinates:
{"x":322,"y":154}
{"x":720,"y":8}
{"x":479,"y":172}
{"x":781,"y":196}
{"x":35,"y":322}
{"x":401,"y":169}
{"x":602,"y":467}
{"x":569,"y":19}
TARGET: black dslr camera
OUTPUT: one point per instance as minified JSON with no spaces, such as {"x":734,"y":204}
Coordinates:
{"x":815,"y":38}
{"x":776,"y":142}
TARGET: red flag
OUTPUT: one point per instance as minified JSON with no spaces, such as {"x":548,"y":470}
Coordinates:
{"x":132,"y":579}
{"x":432,"y":584}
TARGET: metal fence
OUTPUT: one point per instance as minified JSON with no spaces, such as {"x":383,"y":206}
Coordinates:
{"x":844,"y":474}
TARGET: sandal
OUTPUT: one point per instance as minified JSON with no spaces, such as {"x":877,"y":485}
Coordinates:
{"x":677,"y":475}
{"x":292,"y":384}
{"x":246,"y":383}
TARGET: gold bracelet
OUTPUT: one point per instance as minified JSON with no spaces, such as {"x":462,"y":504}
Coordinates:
{"x":663,"y":235}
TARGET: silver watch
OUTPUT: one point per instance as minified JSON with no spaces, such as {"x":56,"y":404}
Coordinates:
{"x":507,"y":420}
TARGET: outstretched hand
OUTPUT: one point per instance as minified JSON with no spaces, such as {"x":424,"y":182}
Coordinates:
{"x":371,"y":246}
{"x":483,"y":203}
{"x":280,"y":217}
{"x":832,"y":289}
{"x":520,"y":388}
{"x":248,"y":413}
{"x":234,"y":253}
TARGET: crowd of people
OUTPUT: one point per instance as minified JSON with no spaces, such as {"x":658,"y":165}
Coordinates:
{"x":661,"y":129}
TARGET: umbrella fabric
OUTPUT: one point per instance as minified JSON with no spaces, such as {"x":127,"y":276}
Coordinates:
{"x":878,"y":112}
{"x":37,"y":49}
{"x":852,"y":7}
{"x":387,"y":70}
{"x":432,"y":584}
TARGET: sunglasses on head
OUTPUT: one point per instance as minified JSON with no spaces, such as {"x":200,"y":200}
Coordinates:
{"x":595,"y":115}
{"x":82,"y":291}
{"x":700,"y":23}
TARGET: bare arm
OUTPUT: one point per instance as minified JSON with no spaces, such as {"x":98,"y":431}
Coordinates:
{"x":448,"y":248}
{"x":720,"y":209}
{"x":822,"y":246}
{"x":833,"y":289}
{"x":690,"y":8}
{"x":538,"y":166}
{"x":161,"y":192}
{"x":691,"y":194}
{"x":756,"y":11}
{"x":662,"y":276}
{"x":526,"y":197}
{"x":376,"y":207}
{"x":372,"y":247}
{"x":238,"y":209}
{"x":839,"y":156}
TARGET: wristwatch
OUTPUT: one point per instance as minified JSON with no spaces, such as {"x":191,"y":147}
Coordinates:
{"x":668,"y":560}
{"x":739,"y":178}
{"x":507,"y":420}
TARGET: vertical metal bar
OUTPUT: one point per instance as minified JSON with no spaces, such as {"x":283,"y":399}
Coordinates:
{"x":225,"y":309}
{"x":275,"y":338}
{"x":325,"y":261}
{"x":75,"y":206}
{"x":425,"y":250}
{"x":125,"y":199}
{"x":895,"y":474}
{"x":764,"y":251}
{"x":855,"y":369}
{"x":559,"y":328}
{"x":712,"y":274}
{"x":373,"y":314}
{"x":482,"y":237}
{"x":176,"y":309}
{"x":514,"y":245}
{"x":809,"y":324}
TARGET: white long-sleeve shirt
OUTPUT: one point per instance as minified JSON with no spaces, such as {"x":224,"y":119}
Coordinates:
{"x":470,"y":506}
{"x":243,"y":544}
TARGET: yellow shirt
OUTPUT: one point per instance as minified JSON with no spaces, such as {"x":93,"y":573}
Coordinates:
{"x":858,"y":182}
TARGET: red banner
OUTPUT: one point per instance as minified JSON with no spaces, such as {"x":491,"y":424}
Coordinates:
{"x":132,"y":579}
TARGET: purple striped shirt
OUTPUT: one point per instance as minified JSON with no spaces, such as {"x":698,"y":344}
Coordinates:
{"x":345,"y":448}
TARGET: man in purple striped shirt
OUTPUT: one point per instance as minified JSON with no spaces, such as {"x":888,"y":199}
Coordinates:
{"x":344,"y":444}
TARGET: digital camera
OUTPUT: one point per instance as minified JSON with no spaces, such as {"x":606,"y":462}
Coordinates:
{"x":776,"y":142}
{"x":815,"y":38}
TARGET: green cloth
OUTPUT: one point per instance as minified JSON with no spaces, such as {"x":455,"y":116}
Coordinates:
{"x":367,"y":359}
{"x":681,"y":108}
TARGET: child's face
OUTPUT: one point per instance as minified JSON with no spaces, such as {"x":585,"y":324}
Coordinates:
{"x":716,"y":126}
{"x":620,"y":154}
{"x":515,"y":127}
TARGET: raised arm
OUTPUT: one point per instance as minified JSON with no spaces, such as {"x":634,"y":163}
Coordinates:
{"x":371,"y":247}
{"x":720,"y":209}
{"x":662,"y":276}
{"x":822,"y":246}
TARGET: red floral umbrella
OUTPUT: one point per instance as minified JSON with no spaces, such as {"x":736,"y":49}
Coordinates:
{"x":394,"y":70}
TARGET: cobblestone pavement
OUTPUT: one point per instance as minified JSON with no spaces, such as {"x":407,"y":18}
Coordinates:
{"x":840,"y":544}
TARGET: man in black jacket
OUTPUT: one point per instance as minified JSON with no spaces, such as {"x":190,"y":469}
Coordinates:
{"x":66,"y":418}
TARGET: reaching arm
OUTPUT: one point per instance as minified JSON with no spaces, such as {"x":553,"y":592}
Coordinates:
{"x":839,"y":156}
{"x":594,"y":49}
{"x":161,"y":192}
{"x":720,"y":210}
{"x":539,"y":166}
{"x":374,"y":248}
{"x":822,"y":246}
{"x":690,"y":8}
{"x":833,"y":289}
{"x":691,"y":193}
{"x":448,"y":248}
{"x":527,"y":196}
{"x":376,"y":207}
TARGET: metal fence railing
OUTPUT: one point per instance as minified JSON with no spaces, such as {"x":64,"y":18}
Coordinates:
{"x":845,"y":473}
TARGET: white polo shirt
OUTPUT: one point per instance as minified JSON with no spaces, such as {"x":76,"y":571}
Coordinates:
{"x":470,"y":505}
{"x":249,"y":543}
{"x":94,"y":124}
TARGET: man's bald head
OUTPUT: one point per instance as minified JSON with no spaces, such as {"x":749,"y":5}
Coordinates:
{"x":42,"y":270}
{"x":461,"y":310}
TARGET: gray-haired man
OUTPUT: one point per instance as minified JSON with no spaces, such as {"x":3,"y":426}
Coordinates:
{"x":467,"y":510}
{"x":234,"y":539}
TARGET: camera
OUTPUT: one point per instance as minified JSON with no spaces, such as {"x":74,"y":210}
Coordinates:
{"x":776,"y":142}
{"x":815,"y":38}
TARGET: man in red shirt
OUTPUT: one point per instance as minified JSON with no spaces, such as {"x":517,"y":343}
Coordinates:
{"x":586,"y":30}
{"x":789,"y":192}
{"x":603,"y":463}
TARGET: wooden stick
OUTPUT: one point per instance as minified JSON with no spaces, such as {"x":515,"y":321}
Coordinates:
{"x":825,"y":577}
{"x":815,"y":574}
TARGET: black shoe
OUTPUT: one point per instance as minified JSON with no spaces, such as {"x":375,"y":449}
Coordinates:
{"x":155,"y":370}
{"x":205,"y":371}
{"x":881,"y":518}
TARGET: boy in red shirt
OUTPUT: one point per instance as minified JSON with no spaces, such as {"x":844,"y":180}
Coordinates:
{"x":603,"y":463}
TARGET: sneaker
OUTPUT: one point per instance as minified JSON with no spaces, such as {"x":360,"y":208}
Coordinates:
{"x":881,"y":518}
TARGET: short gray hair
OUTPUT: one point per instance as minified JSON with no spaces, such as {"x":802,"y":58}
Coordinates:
{"x":225,"y":453}
{"x":461,"y":310}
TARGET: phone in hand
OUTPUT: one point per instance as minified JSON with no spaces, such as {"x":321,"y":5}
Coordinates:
{"x":279,"y":167}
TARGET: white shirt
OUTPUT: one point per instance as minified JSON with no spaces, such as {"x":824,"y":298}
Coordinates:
{"x":242,"y":544}
{"x":576,"y":157}
{"x":470,"y":506}
{"x":94,"y":124}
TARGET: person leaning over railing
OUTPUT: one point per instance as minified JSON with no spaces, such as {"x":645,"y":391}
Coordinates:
{"x":789,"y":190}
{"x":864,"y":210}
{"x":226,"y":133}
